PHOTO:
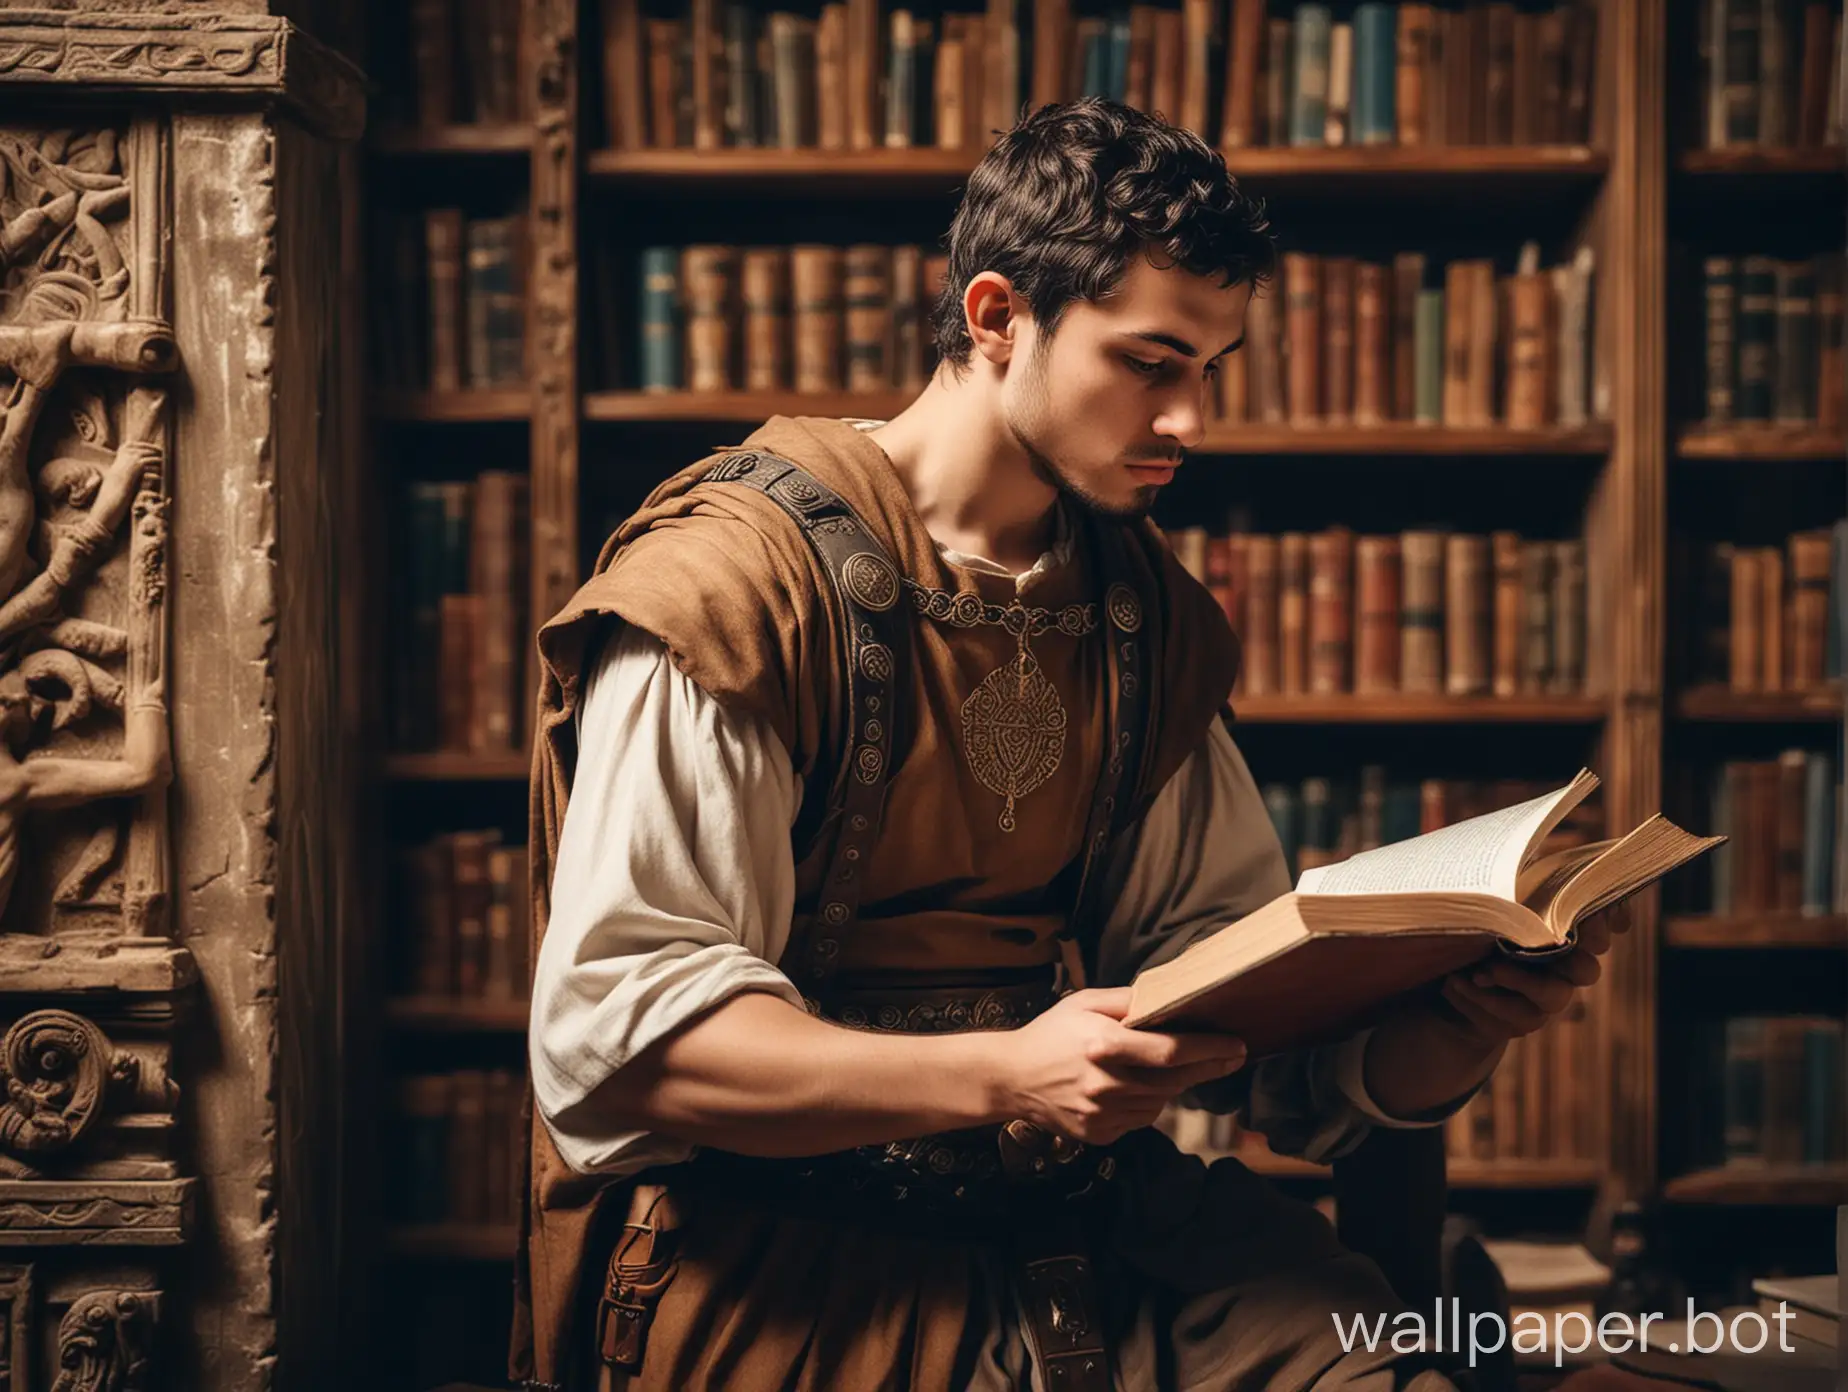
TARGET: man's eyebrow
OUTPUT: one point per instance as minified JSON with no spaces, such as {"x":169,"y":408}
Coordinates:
{"x":1183,"y":347}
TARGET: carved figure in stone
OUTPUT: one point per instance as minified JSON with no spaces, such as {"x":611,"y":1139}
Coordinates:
{"x":59,"y":1069}
{"x":64,"y":305}
{"x":102,"y":1343}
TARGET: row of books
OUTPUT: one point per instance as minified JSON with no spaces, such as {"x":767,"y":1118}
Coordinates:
{"x":465,"y":62}
{"x":1322,"y":820}
{"x":1770,"y":73}
{"x":460,"y":673}
{"x":1423,"y":612}
{"x":453,"y":301}
{"x":815,"y":318}
{"x":468,"y":918}
{"x":1769,"y":618}
{"x":455,"y":1143}
{"x":1535,"y":1106}
{"x":1765,"y":1090}
{"x":856,"y":75}
{"x":1784,"y":848}
{"x":1341,"y":341}
{"x":1774,"y":340}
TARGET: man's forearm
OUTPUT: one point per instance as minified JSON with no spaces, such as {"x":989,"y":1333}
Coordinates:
{"x":760,"y":1077}
{"x":1418,"y":1060}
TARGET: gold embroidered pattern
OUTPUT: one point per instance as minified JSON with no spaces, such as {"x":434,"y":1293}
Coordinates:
{"x":1013,"y":722}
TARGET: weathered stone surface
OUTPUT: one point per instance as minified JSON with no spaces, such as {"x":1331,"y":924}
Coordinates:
{"x":102,"y":1213}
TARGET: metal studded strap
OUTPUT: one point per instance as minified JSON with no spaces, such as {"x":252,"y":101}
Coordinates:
{"x":866,"y":583}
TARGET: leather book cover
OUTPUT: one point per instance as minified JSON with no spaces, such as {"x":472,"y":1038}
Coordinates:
{"x":1467,"y":616}
{"x":1376,"y":640}
{"x":1331,"y":610}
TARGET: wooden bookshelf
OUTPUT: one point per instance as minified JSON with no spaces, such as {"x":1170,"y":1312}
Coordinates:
{"x":1760,"y":930}
{"x":1720,"y":704}
{"x":487,"y":140}
{"x":1418,"y":710}
{"x":1760,"y":161}
{"x":468,"y":1242}
{"x":1762,"y":1185}
{"x":455,"y":407}
{"x":1511,"y":1174}
{"x":439,"y":1015}
{"x":458,"y":766}
{"x":1756,"y":441}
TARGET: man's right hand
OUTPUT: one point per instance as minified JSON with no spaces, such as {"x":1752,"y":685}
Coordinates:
{"x":1079,"y":1071}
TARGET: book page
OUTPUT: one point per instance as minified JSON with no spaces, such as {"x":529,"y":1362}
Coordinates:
{"x":1480,"y":856}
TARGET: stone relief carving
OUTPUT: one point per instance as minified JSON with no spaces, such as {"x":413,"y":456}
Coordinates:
{"x":16,"y":1316}
{"x":83,"y":711}
{"x":103,"y":1343}
{"x":60,"y":1070}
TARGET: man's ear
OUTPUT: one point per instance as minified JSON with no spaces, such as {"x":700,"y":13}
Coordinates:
{"x":992,"y":311}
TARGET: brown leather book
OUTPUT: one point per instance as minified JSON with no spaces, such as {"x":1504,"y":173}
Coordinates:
{"x":498,"y":576}
{"x":497,"y":982}
{"x":1831,"y":361}
{"x":1536,"y":616}
{"x":1498,"y":74}
{"x":1236,"y":595}
{"x":1459,"y":340}
{"x":1468,"y":616}
{"x":443,"y":273}
{"x":864,"y":66}
{"x":1417,"y":30}
{"x":1293,"y":612}
{"x":815,"y":281}
{"x":468,"y":1139}
{"x":1052,"y":41}
{"x":1167,"y":58}
{"x":663,"y":39}
{"x":1001,"y":95}
{"x":1526,"y":79}
{"x":909,"y":328}
{"x":708,"y":56}
{"x":1421,"y":615}
{"x":1787,"y":881}
{"x":1338,"y":340}
{"x":868,"y":295}
{"x":1302,"y":285}
{"x":831,"y":124}
{"x":1376,"y":638}
{"x":766,"y":318}
{"x":1331,"y":610}
{"x":708,"y":286}
{"x":1581,"y":55}
{"x":625,"y":90}
{"x":470,"y":895}
{"x":1259,"y":631}
{"x":1195,"y":93}
{"x":1218,"y":572}
{"x":1232,"y":394}
{"x":1274,"y":82}
{"x":1139,"y":75}
{"x":1372,"y":350}
{"x":975,"y":80}
{"x":1745,"y":670}
{"x":1813,"y":86}
{"x":1762,"y":833}
{"x":1433,"y":805}
{"x":1244,"y":52}
{"x":500,"y":1125}
{"x":1568,"y":677}
{"x":950,"y":96}
{"x":1530,"y":350}
{"x":433,"y":61}
{"x":1771,"y":619}
{"x":1437,"y":77}
{"x":1465,"y":55}
{"x":459,"y":624}
{"x":1809,"y":608}
{"x":1555,"y":59}
{"x":1479,"y":391}
{"x":1264,"y":356}
{"x":1408,"y":273}
{"x":429,"y":901}
{"x":1505,"y":550}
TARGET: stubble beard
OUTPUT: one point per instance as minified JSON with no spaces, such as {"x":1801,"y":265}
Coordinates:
{"x":1023,"y":420}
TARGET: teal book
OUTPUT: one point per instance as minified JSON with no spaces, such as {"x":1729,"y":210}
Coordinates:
{"x":1376,"y":58}
{"x":1309,"y":92}
{"x":1116,"y":78}
{"x":1818,"y":833}
{"x":1399,"y":821}
{"x":1095,"y":69}
{"x":660,"y":317}
{"x":1428,"y":358}
{"x":1280,"y":803}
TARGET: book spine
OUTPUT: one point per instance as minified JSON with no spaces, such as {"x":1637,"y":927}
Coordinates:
{"x":1743,"y":1086}
{"x":1376,"y":643}
{"x":1792,"y":796}
{"x":1530,"y":336}
{"x":1831,"y":361}
{"x":1809,"y":608}
{"x":1771,"y":619}
{"x":1302,"y":280}
{"x":1818,"y":833}
{"x":1467,"y":615}
{"x":1320,"y":833}
{"x":1772,"y":61}
{"x":815,"y":278}
{"x":466,"y":1170}
{"x":1292,"y":612}
{"x":1309,"y":89}
{"x":1261,"y":657}
{"x":1167,"y":63}
{"x":1376,"y":42}
{"x":831,"y":78}
{"x":660,"y":319}
{"x":427,"y":891}
{"x":1581,"y":53}
{"x":1479,"y":384}
{"x":708,"y":281}
{"x":497,"y":979}
{"x":908,"y":318}
{"x":1236,"y":595}
{"x":1244,"y":51}
{"x":1138,"y":76}
{"x":1340,"y":113}
{"x":1338,"y":340}
{"x":1744,"y":673}
{"x":1794,"y":376}
{"x":1721,"y":302}
{"x":1536,"y":673}
{"x":433,"y":61}
{"x":1417,"y":26}
{"x":1722,"y":798}
{"x":1428,"y":354}
{"x":448,"y":312}
{"x":1278,"y":75}
{"x":422,"y":1124}
{"x":1264,"y":323}
{"x":868,"y":294}
{"x":1823,"y":1141}
{"x":1421,"y":652}
{"x":1568,"y":618}
{"x":765,"y":280}
{"x":459,"y":624}
{"x":1505,"y":548}
{"x":1372,"y":345}
{"x":1498,"y":76}
{"x":742,"y":96}
{"x":663,"y":43}
{"x":1331,"y":610}
{"x":1525,"y":80}
{"x":497,"y":554}
{"x":1408,"y":270}
{"x":1757,"y":338}
{"x":901,"y":72}
{"x":1280,"y":802}
{"x":1459,"y":331}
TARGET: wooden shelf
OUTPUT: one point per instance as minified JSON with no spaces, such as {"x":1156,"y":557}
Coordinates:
{"x":1398,"y":438}
{"x":478,"y":1242}
{"x":1819,"y":1185}
{"x":1418,"y":710}
{"x":1759,"y":161}
{"x":1461,"y":1174}
{"x":440,"y":1015}
{"x":1768,"y":930}
{"x":1720,"y":704}
{"x":941,"y":170}
{"x":458,"y":766}
{"x":480,"y":404}
{"x":1761,"y":441}
{"x":454,"y":140}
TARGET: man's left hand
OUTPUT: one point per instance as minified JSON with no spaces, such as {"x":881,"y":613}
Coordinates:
{"x":1502,"y":998}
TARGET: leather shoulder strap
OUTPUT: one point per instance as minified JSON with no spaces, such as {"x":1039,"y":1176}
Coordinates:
{"x":866,"y":585}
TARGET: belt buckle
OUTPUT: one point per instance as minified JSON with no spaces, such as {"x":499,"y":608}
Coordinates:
{"x":1060,"y":1294}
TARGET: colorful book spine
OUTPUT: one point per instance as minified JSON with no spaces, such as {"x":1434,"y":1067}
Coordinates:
{"x":659,"y":306}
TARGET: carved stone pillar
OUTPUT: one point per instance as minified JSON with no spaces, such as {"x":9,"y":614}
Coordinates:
{"x":176,"y":446}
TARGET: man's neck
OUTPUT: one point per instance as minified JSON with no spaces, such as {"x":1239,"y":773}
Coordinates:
{"x":972,"y":484}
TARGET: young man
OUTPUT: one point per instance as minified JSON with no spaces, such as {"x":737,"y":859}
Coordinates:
{"x":860,"y":745}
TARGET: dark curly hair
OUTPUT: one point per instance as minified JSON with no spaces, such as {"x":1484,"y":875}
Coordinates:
{"x":1064,"y":200}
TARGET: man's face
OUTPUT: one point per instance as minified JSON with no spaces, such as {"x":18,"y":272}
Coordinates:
{"x":1106,"y":405}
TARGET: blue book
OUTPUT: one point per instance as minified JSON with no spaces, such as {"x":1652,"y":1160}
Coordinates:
{"x":1096,"y":65}
{"x":1116,"y":81}
{"x":1818,"y":833}
{"x":660,"y":316}
{"x":1399,"y":822}
{"x":1376,"y":59}
{"x":1280,"y":802}
{"x":1309,"y":93}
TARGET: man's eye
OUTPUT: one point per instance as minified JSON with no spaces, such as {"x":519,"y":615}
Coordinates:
{"x":1146,"y":368}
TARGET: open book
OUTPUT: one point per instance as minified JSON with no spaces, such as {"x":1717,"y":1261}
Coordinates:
{"x":1326,"y":959}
